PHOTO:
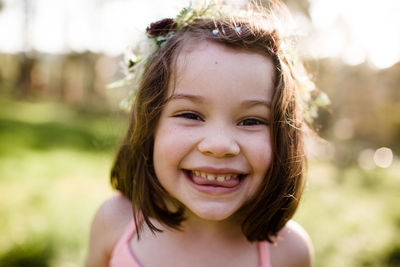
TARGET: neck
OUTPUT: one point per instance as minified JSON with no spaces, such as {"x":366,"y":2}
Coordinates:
{"x":212,"y":243}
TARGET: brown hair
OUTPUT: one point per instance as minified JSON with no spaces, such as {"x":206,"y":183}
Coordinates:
{"x":278,"y":196}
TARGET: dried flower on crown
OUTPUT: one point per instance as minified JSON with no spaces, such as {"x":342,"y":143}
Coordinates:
{"x":161,"y":27}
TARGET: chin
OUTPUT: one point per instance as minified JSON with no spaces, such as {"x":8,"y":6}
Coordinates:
{"x":212,"y":213}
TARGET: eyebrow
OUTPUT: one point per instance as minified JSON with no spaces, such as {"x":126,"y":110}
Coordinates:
{"x":196,"y":98}
{"x":256,"y":102}
{"x":193,"y":98}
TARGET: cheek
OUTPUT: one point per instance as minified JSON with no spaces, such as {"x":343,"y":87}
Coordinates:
{"x":170,"y":139}
{"x":171,"y":144}
{"x":162,"y":147}
{"x":261,"y":160}
{"x":261,"y":153}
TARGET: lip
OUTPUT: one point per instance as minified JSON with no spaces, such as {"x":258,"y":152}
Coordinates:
{"x":215,"y":190}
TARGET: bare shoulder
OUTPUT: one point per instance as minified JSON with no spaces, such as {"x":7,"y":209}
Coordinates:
{"x":292,"y":240}
{"x":107,"y":227}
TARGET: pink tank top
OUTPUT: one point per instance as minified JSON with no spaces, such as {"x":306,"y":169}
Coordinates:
{"x":122,"y":255}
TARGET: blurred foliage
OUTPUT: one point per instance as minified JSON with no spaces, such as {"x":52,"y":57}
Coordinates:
{"x":365,"y":95}
{"x":55,"y":161}
{"x":33,"y":253}
{"x":78,"y":79}
{"x":367,"y":100}
{"x":351,"y":215}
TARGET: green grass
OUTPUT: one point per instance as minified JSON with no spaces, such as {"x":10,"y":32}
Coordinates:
{"x":53,"y":175}
{"x":54,"y":165}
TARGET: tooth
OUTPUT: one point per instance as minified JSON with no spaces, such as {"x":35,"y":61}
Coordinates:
{"x":203,"y":174}
{"x":197,"y":173}
{"x":221,"y":178}
{"x":211,"y":177}
{"x":228,"y":177}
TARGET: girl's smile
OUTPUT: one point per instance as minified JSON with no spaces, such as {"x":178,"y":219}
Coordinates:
{"x":216,"y":181}
{"x":212,"y":144}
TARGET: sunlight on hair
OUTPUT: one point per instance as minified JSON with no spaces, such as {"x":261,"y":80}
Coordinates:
{"x":320,"y":149}
{"x":383,"y":157}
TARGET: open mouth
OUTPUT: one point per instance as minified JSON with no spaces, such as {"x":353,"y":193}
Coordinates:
{"x":222,"y":180}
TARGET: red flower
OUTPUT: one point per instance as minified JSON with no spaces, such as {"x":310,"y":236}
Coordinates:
{"x":161,"y":27}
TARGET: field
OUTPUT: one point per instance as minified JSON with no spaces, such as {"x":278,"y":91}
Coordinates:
{"x":54,"y":165}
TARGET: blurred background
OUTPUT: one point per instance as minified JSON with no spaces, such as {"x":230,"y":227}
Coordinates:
{"x":60,"y":125}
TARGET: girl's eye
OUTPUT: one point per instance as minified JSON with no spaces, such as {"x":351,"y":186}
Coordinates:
{"x":189,"y":116}
{"x":252,"y":122}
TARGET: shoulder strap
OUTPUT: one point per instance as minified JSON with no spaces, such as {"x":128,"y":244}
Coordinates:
{"x":263,"y":251}
{"x":122,"y":254}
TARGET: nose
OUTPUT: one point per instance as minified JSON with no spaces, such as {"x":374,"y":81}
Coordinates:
{"x":219,"y":144}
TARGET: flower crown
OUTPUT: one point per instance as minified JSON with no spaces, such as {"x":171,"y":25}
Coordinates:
{"x":157,"y":33}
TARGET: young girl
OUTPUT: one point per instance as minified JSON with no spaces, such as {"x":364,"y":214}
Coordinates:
{"x":212,"y":166}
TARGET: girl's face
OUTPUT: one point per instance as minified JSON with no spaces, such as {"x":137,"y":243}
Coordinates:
{"x":212,"y":144}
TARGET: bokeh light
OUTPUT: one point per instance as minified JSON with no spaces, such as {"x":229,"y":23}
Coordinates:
{"x":383,"y":157}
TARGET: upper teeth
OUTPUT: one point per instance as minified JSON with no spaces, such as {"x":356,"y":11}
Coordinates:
{"x":218,"y":177}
